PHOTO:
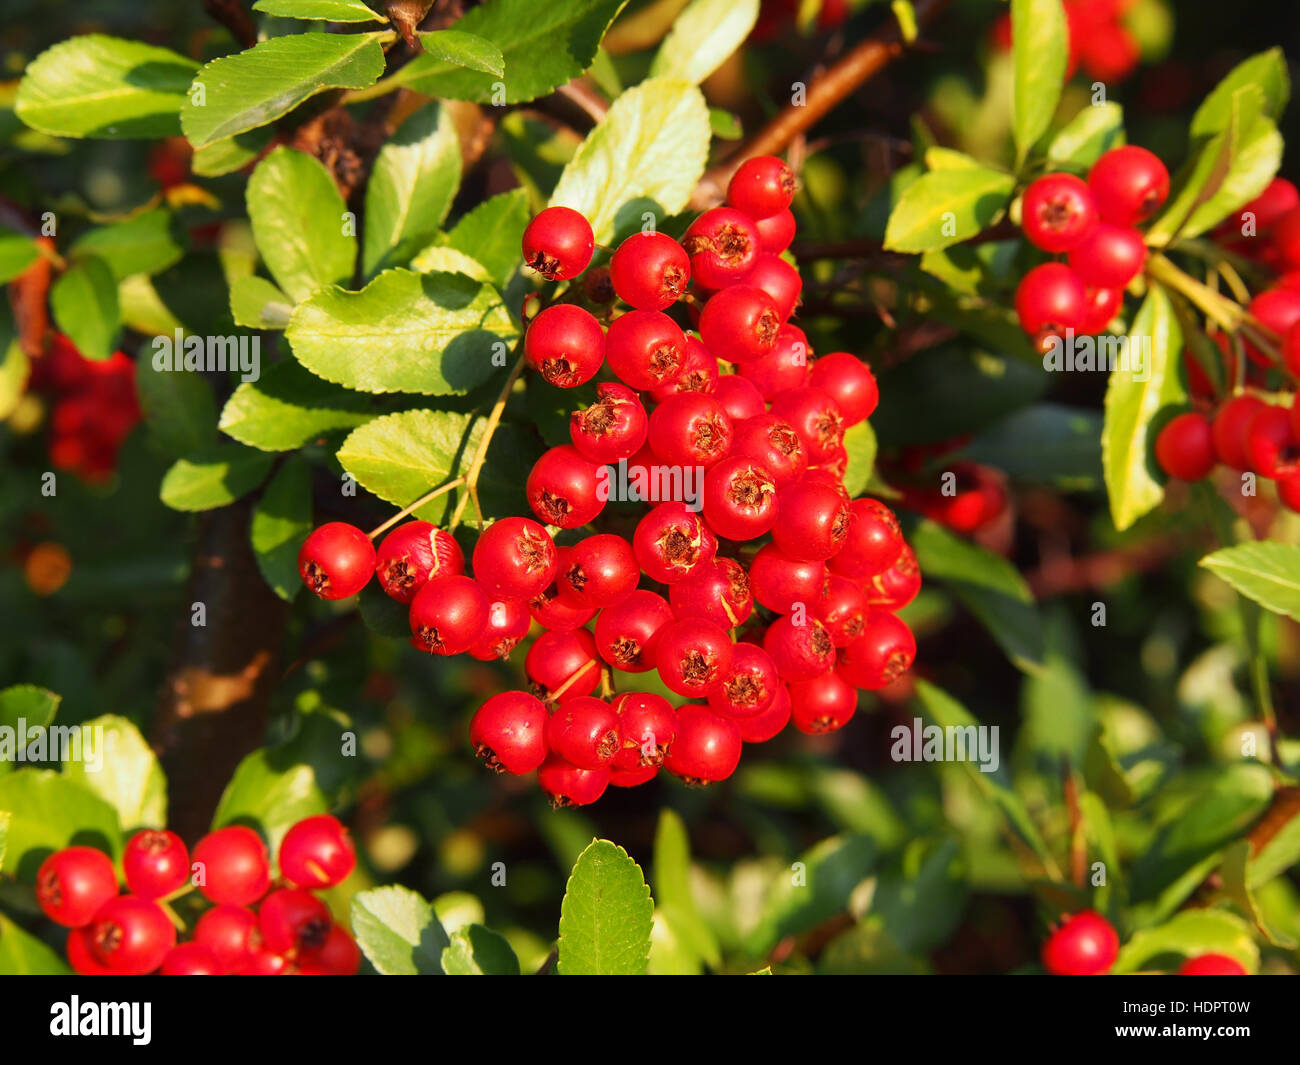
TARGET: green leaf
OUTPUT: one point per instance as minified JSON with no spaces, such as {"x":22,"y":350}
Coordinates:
{"x":398,"y":932}
{"x":944,"y":207}
{"x":492,"y":233}
{"x":97,"y":86}
{"x":125,"y":773}
{"x":49,"y":812}
{"x":1188,"y":934}
{"x":647,"y":154}
{"x":231,"y":153}
{"x":29,"y":704}
{"x":178,"y":407}
{"x":255,"y":303}
{"x":253,"y":88}
{"x":435,"y":334}
{"x":606,"y":915}
{"x":281,"y":522}
{"x":674,"y":901}
{"x":382,"y":614}
{"x":1044,"y":444}
{"x":437,"y":259}
{"x":477,"y":951}
{"x":323,"y":10}
{"x":4,"y":835}
{"x":1266,"y":572}
{"x":813,"y":889}
{"x":84,"y":304}
{"x":922,"y":903}
{"x":1236,"y":875}
{"x":1276,"y":838}
{"x":140,"y":245}
{"x":1088,"y":135}
{"x":15,"y":369}
{"x":542,"y":48}
{"x":860,"y":443}
{"x":214,"y":477}
{"x":1040,"y":51}
{"x":703,"y":37}
{"x":17,"y":253}
{"x":22,"y":954}
{"x":466,"y":50}
{"x":298,"y":222}
{"x":289,"y":407}
{"x":412,"y":183}
{"x":1265,"y":71}
{"x":1126,"y":440}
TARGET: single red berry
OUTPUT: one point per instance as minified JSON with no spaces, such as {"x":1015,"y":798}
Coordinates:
{"x":717,"y":591}
{"x":234,"y":866}
{"x":699,"y":372}
{"x":690,"y":429}
{"x":515,"y":557}
{"x":292,"y":919}
{"x":783,"y":368}
{"x":1291,"y":349}
{"x":156,"y":863}
{"x":558,"y":243}
{"x":412,"y":555}
{"x":230,"y":934}
{"x":81,"y":957}
{"x":740,"y":498}
{"x":816,"y":417}
{"x":1211,"y":965}
{"x":627,"y":632}
{"x":1277,"y":309}
{"x":762,"y":186}
{"x":769,"y":723}
{"x":1229,"y":429}
{"x":874,"y":541}
{"x":692,"y":655}
{"x":1285,"y":239}
{"x":448,"y":615}
{"x":849,"y":381}
{"x":336,"y":561}
{"x":509,"y":732}
{"x":599,"y":570}
{"x":779,"y":280}
{"x":776,"y":232}
{"x":584,"y":732}
{"x":567,"y":785}
{"x":782,"y":584}
{"x":801,"y":652}
{"x":812,"y":521}
{"x":1129,"y":184}
{"x":339,"y":955}
{"x":1271,"y":446}
{"x":723,"y":244}
{"x":740,"y":323}
{"x":772,"y":442}
{"x":1109,"y":257}
{"x":748,"y":686}
{"x":672,"y":541}
{"x":508,"y":622}
{"x":565,"y":344}
{"x":73,"y":883}
{"x":739,"y":397}
{"x":650,"y":271}
{"x":566,"y":489}
{"x":1100,"y":305}
{"x":613,"y":427}
{"x":897,"y":586}
{"x":645,"y":349}
{"x":706,"y":748}
{"x":822,"y":705}
{"x":632,"y":778}
{"x":1050,"y":300}
{"x":647,"y":724}
{"x":190,"y":959}
{"x":1267,"y":209}
{"x":880,"y":655}
{"x":1058,"y":212}
{"x":562,"y":665}
{"x":1085,"y":945}
{"x":842,"y":608}
{"x":317,"y":853}
{"x":131,"y":935}
{"x":1185,"y":447}
{"x":551,"y":610}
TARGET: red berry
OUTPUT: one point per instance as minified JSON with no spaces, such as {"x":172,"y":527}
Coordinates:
{"x":781,"y":583}
{"x":1058,"y":212}
{"x":740,"y":323}
{"x":565,"y":344}
{"x":336,"y":561}
{"x":1291,"y":349}
{"x":692,"y":656}
{"x":783,"y":368}
{"x":565,"y":489}
{"x":263,"y":962}
{"x":131,"y":935}
{"x":234,"y":866}
{"x":706,"y":748}
{"x":508,"y":623}
{"x":292,"y":919}
{"x":699,"y":372}
{"x":842,"y":608}
{"x":339,"y":955}
{"x":849,"y":381}
{"x":612,"y":428}
{"x":1051,"y":300}
{"x":562,"y":665}
{"x":230,"y":934}
{"x":567,"y":785}
{"x":1100,"y":307}
{"x":874,"y":541}
{"x":599,"y":570}
{"x":73,"y":883}
{"x":414,"y":553}
{"x":772,"y":442}
{"x":1271,"y":446}
{"x":812,"y":521}
{"x":1085,"y":945}
{"x":1211,"y":965}
{"x":723,"y":244}
{"x":739,"y":397}
{"x":897,"y":586}
{"x":81,"y":957}
{"x":584,"y":731}
{"x":822,"y":705}
{"x":515,"y":557}
{"x":1279,"y":197}
{"x":646,"y":349}
{"x":1277,"y":309}
{"x":748,"y":686}
{"x":627,"y":632}
{"x":768,"y":723}
{"x":317,"y":853}
{"x":647,"y":724}
{"x":551,"y":610}
{"x":558,"y":243}
{"x":156,"y":863}
{"x":739,"y":498}
{"x":1285,"y":239}
{"x":1229,"y":429}
{"x":650,"y":271}
{"x":1129,"y":184}
{"x":190,"y":959}
{"x":801,"y":652}
{"x":779,"y":280}
{"x":509,"y":732}
{"x":690,"y":429}
{"x":672,"y":541}
{"x":776,"y":232}
{"x":448,"y":615}
{"x":762,"y":186}
{"x":816,"y":417}
{"x":881,"y":655}
{"x":717,"y":591}
{"x":1109,"y":257}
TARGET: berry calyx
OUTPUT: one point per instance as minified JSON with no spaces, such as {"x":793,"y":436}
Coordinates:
{"x":612,"y":428}
{"x":645,"y":349}
{"x":692,"y":656}
{"x":564,"y":488}
{"x":672,"y":541}
{"x":723,"y":244}
{"x":627,"y":632}
{"x":690,"y":429}
{"x":749,"y":684}
{"x":740,"y":498}
{"x":515,"y":557}
{"x":565,"y":344}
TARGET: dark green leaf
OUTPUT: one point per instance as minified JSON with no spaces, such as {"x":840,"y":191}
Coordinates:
{"x":281,"y":523}
{"x":477,"y":951}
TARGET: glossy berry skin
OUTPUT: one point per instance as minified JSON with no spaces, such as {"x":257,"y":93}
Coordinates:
{"x":567,"y":785}
{"x":131,"y":935}
{"x":779,"y":280}
{"x":1211,"y":965}
{"x":558,"y":243}
{"x":781,"y":583}
{"x":717,"y":591}
{"x":508,"y":622}
{"x":263,"y":962}
{"x":739,"y":498}
{"x":599,"y":570}
{"x":627,"y":632}
{"x":317,"y":853}
{"x":748,"y":686}
{"x":1100,"y":305}
{"x":291,"y":919}
{"x":897,"y":586}
{"x":515,"y":557}
{"x":650,"y":271}
{"x":234,"y":864}
{"x":564,"y":488}
{"x":692,"y":656}
{"x":723,"y":244}
{"x":584,"y":732}
{"x":1050,"y":300}
{"x":874,"y":541}
{"x":699,"y":372}
{"x":647,"y":724}
{"x":776,"y":232}
{"x":632,"y":778}
{"x":565,"y":344}
{"x":706,"y":748}
{"x":849,"y":381}
{"x":762,"y":186}
{"x":612,"y":428}
{"x":816,"y":417}
{"x":336,"y":561}
{"x":1129,"y":184}
{"x":671,"y":541}
{"x":509,"y":732}
{"x":562,"y":665}
{"x":1229,"y":429}
{"x":73,"y":883}
{"x":801,"y":652}
{"x":1085,"y":945}
{"x":81,"y":957}
{"x":1185,"y":447}
{"x":554,"y":611}
{"x":1271,"y":447}
{"x":156,"y":863}
{"x":690,"y":429}
{"x":230,"y":934}
{"x":769,"y":723}
{"x":842,"y":608}
{"x":812,"y":521}
{"x":1058,"y":212}
{"x":783,"y":368}
{"x":645,"y":349}
{"x":822,"y":705}
{"x":1285,"y":239}
{"x":448,"y":615}
{"x":414,"y":553}
{"x":1291,"y":349}
{"x":1109,"y":257}
{"x":740,"y":323}
{"x":772,"y":442}
{"x":880,"y":655}
{"x":339,"y":955}
{"x":739,"y":397}
{"x":190,"y":959}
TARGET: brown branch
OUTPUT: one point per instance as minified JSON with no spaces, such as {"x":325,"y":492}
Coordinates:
{"x":231,"y":14}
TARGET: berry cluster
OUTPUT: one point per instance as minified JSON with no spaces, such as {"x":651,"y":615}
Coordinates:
{"x":253,"y":927}
{"x":757,"y":634}
{"x":1086,"y":944}
{"x":1100,"y":42}
{"x":1094,"y":224}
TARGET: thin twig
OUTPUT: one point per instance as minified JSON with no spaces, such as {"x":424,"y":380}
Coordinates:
{"x":494,"y":419}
